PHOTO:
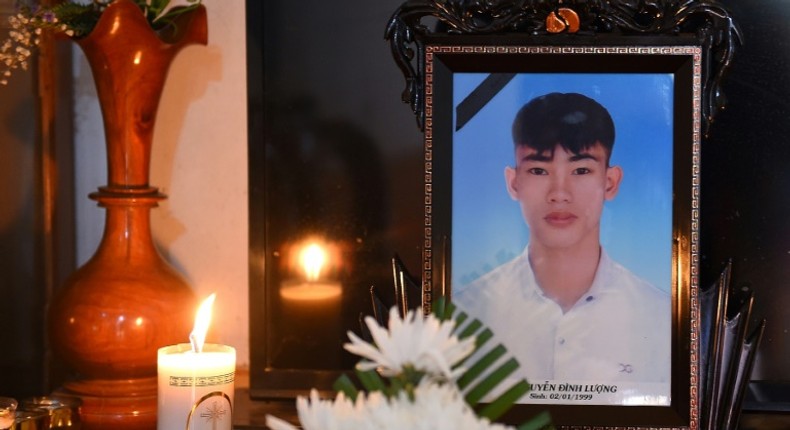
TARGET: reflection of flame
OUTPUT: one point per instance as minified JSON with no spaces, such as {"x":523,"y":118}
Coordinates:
{"x":202,"y":320}
{"x":312,"y":258}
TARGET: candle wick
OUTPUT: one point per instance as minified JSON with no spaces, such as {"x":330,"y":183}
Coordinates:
{"x":193,"y":340}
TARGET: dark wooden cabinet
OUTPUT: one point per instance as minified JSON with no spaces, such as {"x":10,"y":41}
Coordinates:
{"x":36,"y":215}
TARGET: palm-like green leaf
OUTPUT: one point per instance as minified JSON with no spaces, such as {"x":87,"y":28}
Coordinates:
{"x":505,"y":401}
{"x":486,"y":385}
{"x":478,"y":368}
{"x":482,"y":382}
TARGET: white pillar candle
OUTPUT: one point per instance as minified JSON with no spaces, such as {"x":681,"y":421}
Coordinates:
{"x":196,"y":388}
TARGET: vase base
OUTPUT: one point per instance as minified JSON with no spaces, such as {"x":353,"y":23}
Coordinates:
{"x":128,"y":404}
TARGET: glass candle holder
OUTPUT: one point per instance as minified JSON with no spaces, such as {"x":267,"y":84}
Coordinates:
{"x":31,"y":420}
{"x":63,"y":411}
{"x":7,"y":412}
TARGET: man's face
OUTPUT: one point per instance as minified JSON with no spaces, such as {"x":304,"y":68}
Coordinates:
{"x":562,"y":194}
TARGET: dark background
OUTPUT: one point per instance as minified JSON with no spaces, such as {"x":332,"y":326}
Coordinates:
{"x":745,"y":190}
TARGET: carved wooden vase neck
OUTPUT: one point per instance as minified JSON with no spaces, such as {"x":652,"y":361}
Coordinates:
{"x":129,"y":62}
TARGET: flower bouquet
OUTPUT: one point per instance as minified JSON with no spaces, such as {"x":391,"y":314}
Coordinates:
{"x":73,"y":19}
{"x":415,"y":376}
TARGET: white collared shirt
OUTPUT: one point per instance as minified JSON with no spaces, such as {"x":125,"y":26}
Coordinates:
{"x":619,"y":331}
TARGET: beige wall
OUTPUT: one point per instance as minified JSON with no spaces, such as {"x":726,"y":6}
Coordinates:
{"x":199,"y":160}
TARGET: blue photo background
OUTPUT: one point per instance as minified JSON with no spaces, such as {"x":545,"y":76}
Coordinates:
{"x":636,"y":227}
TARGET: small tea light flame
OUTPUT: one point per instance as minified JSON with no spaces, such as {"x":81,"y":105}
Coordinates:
{"x":202,"y":319}
{"x":313,"y":258}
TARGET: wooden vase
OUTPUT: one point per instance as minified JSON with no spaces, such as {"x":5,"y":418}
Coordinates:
{"x":107,"y":322}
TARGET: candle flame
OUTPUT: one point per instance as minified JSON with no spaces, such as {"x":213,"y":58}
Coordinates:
{"x":202,"y":319}
{"x":313,"y":258}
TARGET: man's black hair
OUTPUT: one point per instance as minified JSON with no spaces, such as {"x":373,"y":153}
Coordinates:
{"x":573,"y":121}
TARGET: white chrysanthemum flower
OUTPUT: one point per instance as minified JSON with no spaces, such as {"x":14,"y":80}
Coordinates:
{"x":376,"y":412}
{"x":275,"y":423}
{"x":342,"y":413}
{"x":425,"y":344}
{"x":456,"y":413}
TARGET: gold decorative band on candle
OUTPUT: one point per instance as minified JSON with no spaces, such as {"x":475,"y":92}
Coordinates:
{"x":202,"y":381}
{"x":195,"y":390}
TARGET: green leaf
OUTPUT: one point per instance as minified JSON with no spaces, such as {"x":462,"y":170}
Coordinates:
{"x":480,"y":366}
{"x":459,"y":321}
{"x":345,"y":385}
{"x":450,"y":309}
{"x":542,"y":421}
{"x":439,"y":309}
{"x":504,"y":402}
{"x":169,"y":18}
{"x":483,"y":337}
{"x":476,"y":394}
{"x":81,"y":18}
{"x":156,"y":5}
{"x":470,"y":329}
{"x":396,"y":385}
{"x":484,"y":387}
{"x":371,"y":380}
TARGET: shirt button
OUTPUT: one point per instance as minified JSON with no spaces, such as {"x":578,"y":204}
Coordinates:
{"x":561,"y":341}
{"x":589,"y":298}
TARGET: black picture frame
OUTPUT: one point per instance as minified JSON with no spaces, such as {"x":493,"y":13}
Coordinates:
{"x":682,"y":62}
{"x":692,"y":40}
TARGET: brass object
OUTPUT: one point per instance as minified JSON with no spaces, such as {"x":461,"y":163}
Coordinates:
{"x":63,"y":411}
{"x":31,"y":420}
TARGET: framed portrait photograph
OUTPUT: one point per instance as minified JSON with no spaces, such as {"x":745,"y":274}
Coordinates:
{"x":561,"y":187}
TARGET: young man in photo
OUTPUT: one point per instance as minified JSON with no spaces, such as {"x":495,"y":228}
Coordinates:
{"x":563,"y":308}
